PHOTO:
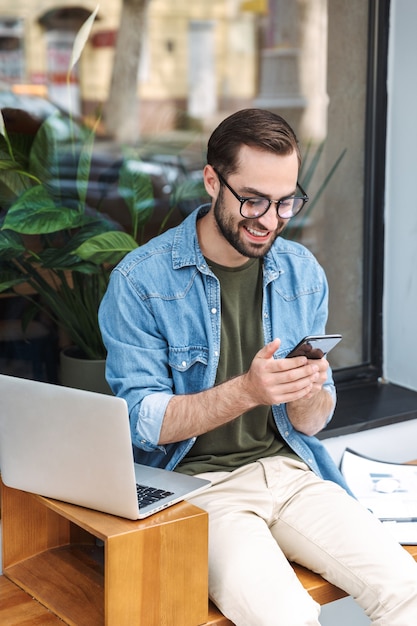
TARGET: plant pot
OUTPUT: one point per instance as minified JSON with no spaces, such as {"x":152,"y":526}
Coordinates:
{"x":82,"y":373}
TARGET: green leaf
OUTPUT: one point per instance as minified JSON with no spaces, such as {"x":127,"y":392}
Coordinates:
{"x":59,"y":259}
{"x":10,"y":279}
{"x":14,"y":163}
{"x":64,"y":257}
{"x":187,"y":190}
{"x":52,"y":150}
{"x":36,"y":213}
{"x":8,"y":164}
{"x":11,"y":245}
{"x":13,"y":183}
{"x":84,"y":166}
{"x":135,"y":187}
{"x":108,"y":247}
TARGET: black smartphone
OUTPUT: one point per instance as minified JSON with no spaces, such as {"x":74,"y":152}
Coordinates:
{"x":315,"y":346}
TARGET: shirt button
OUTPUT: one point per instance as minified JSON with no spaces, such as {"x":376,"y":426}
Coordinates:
{"x":214,"y":310}
{"x":216,"y":353}
{"x":184,"y":363}
{"x":286,"y":433}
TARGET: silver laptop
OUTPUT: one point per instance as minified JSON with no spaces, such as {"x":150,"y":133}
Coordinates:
{"x":75,"y":446}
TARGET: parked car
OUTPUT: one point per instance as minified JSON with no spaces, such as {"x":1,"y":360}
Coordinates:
{"x":66,"y":195}
{"x":177,"y":182}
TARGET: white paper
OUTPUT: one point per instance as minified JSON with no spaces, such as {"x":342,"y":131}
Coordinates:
{"x":404,"y":532}
{"x":389,"y":490}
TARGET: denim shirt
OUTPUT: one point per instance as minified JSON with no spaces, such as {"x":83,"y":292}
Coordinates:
{"x":160,"y":320}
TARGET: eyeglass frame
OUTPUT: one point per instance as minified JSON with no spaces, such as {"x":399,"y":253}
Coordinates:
{"x":243,"y":199}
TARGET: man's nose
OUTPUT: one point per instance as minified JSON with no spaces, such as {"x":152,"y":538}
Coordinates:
{"x":270,"y":219}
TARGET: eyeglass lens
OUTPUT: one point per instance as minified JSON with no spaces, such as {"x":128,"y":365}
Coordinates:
{"x":255,"y":207}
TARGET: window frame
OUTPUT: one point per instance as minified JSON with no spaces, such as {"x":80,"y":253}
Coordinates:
{"x":365,"y":400}
{"x":370,"y":370}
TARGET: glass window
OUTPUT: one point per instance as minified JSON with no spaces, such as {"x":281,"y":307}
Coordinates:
{"x":11,"y":50}
{"x":198,"y":62}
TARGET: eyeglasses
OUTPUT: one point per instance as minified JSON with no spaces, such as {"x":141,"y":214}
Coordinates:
{"x":252,"y":208}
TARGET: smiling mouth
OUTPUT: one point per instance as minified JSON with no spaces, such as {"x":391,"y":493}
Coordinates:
{"x":258,"y":234}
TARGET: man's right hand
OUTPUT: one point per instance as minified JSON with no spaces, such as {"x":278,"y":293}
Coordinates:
{"x":277,"y":381}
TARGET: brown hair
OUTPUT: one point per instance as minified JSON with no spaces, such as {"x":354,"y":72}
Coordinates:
{"x":257,"y":128}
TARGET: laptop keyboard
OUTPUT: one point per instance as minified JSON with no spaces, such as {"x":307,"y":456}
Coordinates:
{"x":149,"y":495}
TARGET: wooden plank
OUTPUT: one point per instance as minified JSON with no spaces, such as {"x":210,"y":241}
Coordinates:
{"x":17,"y":608}
{"x":151,"y":571}
{"x":159,"y":577}
{"x":66,"y":581}
{"x":215,"y":618}
{"x":28,"y":527}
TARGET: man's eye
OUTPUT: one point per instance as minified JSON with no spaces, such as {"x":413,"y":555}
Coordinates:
{"x":256,"y":203}
{"x":287,"y":203}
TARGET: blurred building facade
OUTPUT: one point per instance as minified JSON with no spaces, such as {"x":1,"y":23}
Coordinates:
{"x":197,"y":57}
{"x":199,"y":60}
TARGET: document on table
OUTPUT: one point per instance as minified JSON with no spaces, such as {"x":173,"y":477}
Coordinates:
{"x":389,"y":490}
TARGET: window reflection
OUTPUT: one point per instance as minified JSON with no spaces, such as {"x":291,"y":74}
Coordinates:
{"x":196,"y":63}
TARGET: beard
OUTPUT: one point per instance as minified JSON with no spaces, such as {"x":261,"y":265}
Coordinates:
{"x":231,"y":231}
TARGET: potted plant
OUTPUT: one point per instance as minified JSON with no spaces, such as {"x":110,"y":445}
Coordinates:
{"x":51,"y":239}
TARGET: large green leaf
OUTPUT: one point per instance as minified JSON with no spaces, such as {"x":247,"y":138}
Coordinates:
{"x":63,"y":257}
{"x":15,"y":177}
{"x":60,"y":259}
{"x":18,"y":148}
{"x":108,"y":247}
{"x":12,"y":184}
{"x":35,"y":213}
{"x":11,"y":245}
{"x":53,"y":156}
{"x":8,"y":164}
{"x":43,"y":160}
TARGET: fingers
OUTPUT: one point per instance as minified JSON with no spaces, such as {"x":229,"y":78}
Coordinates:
{"x":274,"y":381}
{"x":268,"y":351}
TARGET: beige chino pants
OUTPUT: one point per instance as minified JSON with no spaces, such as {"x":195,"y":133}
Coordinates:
{"x":266,"y":513}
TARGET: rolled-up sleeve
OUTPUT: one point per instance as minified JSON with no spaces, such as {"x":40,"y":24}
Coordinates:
{"x":146,"y":428}
{"x":137,"y":364}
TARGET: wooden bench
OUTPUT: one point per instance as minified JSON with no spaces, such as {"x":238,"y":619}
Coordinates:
{"x":18,"y":607}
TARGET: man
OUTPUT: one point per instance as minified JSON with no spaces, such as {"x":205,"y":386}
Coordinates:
{"x":197,"y":324}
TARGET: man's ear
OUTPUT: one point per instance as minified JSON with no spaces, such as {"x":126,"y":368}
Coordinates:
{"x":211,"y":181}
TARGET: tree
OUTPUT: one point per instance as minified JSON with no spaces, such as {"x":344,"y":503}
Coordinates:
{"x":122,"y":108}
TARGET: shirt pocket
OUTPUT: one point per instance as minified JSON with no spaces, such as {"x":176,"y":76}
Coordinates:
{"x":189,"y":368}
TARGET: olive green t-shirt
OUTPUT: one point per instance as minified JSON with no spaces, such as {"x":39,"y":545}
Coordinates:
{"x":254,"y":434}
